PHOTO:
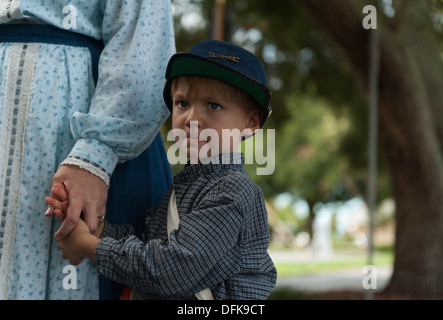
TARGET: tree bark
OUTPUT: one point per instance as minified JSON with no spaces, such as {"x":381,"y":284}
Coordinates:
{"x":411,"y":126}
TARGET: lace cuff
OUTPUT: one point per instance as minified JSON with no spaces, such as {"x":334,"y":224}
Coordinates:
{"x":90,"y":166}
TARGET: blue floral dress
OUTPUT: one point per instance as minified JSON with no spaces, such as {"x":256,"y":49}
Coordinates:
{"x":53,"y":111}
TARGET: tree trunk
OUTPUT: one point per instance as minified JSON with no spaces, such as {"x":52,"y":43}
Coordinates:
{"x":311,"y":218}
{"x":411,"y":125}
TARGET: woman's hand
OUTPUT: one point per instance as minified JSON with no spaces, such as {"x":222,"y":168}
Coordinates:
{"x":79,"y":242}
{"x":87,"y":194}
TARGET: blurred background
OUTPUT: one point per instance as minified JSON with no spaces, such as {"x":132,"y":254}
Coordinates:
{"x":357,"y":96}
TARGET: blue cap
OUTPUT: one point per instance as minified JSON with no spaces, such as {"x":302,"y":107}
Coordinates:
{"x":223,"y":61}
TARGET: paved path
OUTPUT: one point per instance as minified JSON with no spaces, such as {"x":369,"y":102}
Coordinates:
{"x":344,"y":279}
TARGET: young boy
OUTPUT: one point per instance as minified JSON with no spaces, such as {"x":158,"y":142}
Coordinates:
{"x":222,"y":237}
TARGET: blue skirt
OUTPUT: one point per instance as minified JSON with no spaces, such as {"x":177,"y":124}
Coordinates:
{"x":135,"y":186}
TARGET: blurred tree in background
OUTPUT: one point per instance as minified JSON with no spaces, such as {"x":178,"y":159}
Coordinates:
{"x":316,"y":54}
{"x":307,"y":78}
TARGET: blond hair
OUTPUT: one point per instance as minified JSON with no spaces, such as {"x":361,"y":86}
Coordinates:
{"x":218,"y":89}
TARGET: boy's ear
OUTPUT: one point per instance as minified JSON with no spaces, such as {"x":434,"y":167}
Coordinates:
{"x":254,"y":121}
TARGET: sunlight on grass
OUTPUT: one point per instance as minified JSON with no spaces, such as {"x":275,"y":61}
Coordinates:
{"x":304,"y":267}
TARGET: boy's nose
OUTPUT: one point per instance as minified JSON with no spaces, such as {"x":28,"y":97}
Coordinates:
{"x":193,"y":115}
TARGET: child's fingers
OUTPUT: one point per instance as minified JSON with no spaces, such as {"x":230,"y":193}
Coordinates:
{"x":59,"y":185}
{"x":57,"y":201}
{"x":59,"y":214}
{"x":58,"y":191}
{"x":55,"y":207}
{"x":54,"y":203}
{"x":50,"y":211}
{"x":65,"y":255}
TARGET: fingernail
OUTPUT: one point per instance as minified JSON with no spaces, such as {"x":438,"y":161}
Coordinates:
{"x":48,"y":212}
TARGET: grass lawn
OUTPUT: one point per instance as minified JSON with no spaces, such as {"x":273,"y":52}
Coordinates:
{"x":337,"y":262}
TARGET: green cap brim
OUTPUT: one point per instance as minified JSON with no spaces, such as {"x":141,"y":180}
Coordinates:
{"x":192,"y":65}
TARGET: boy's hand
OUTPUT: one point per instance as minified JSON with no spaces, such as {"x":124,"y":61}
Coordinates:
{"x":58,"y":202}
{"x":87,"y":196}
{"x":79,"y":242}
{"x":58,"y":205}
{"x":72,"y":245}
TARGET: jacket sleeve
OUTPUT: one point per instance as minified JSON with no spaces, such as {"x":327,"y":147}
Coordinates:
{"x":204,"y":250}
{"x":127,"y":109}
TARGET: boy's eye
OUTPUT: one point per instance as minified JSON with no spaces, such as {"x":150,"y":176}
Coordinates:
{"x":213,"y":106}
{"x":182,"y":104}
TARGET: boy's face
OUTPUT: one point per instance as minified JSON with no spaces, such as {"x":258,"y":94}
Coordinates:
{"x":213,"y":123}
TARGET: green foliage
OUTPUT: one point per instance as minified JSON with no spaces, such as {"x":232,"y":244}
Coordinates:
{"x":287,"y":293}
{"x":308,"y":144}
{"x":319,"y":113}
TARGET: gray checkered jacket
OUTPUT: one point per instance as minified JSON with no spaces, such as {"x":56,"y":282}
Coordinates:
{"x":221,"y":242}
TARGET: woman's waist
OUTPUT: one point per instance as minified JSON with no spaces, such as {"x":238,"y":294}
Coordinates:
{"x":34,"y":31}
{"x":44,"y":33}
